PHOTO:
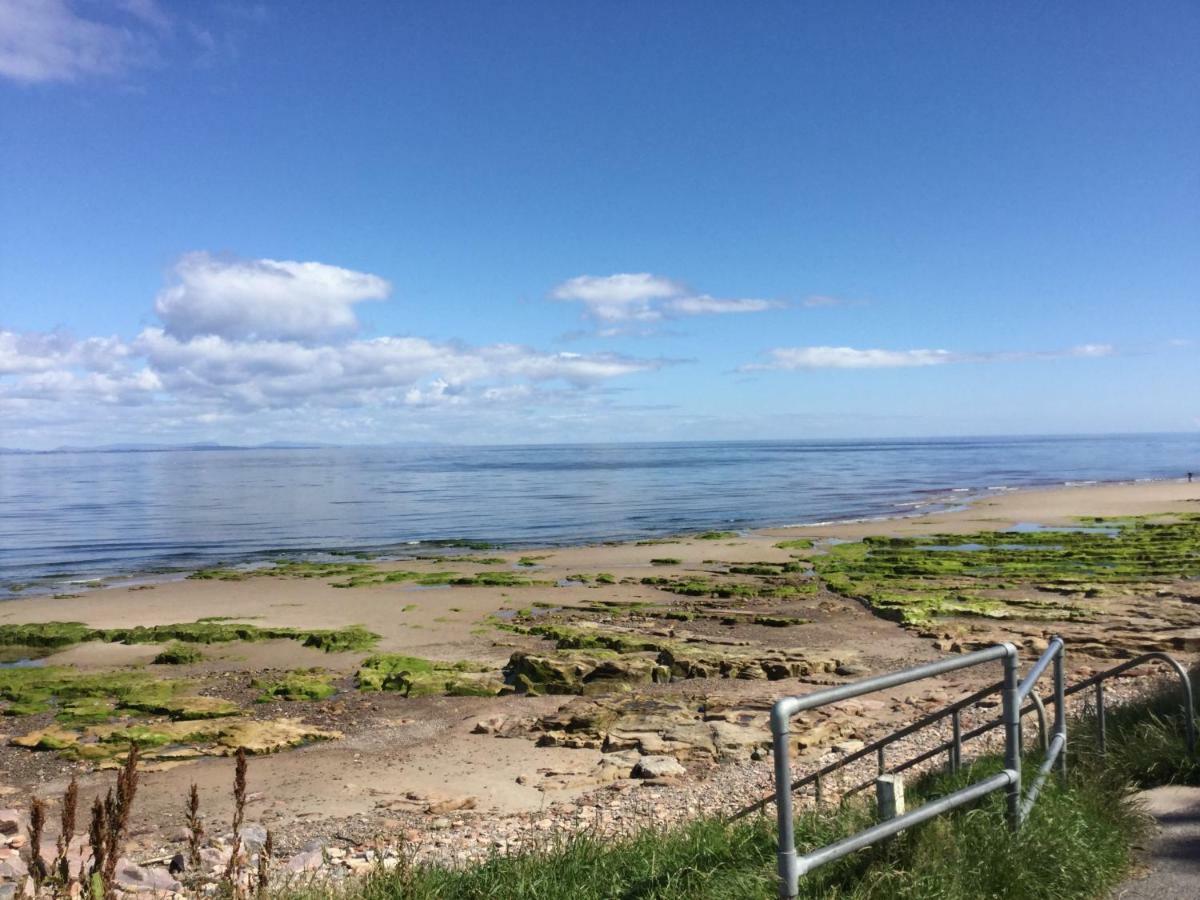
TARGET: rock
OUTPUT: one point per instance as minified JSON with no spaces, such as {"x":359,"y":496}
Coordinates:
{"x":577,"y":672}
{"x":131,"y":876}
{"x":17,"y":841}
{"x":852,"y":746}
{"x":305,"y":861}
{"x":253,"y":837}
{"x":848,"y":669}
{"x":657,"y":767}
{"x":10,"y":821}
{"x":452,"y":804}
{"x":13,"y":869}
{"x":212,"y":859}
{"x":490,"y":725}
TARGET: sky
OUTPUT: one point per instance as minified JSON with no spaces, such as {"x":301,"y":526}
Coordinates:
{"x":530,"y":222}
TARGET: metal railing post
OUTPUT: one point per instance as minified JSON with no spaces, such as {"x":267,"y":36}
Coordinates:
{"x":956,"y":750}
{"x":1101,"y":720}
{"x":789,"y":875}
{"x":1012,"y":738}
{"x":881,"y":761}
{"x":1060,"y":711}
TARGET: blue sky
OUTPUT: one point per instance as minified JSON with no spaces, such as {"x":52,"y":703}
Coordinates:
{"x":483,"y":222}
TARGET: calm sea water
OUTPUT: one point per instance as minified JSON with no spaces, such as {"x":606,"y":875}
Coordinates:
{"x":69,"y":517}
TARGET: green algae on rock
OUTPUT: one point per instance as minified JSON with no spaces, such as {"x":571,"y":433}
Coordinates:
{"x":85,"y":697}
{"x":416,"y":677}
{"x":178,"y":654}
{"x":174,"y":742}
{"x":65,"y":634}
{"x":917,"y":580}
{"x":300,"y":685}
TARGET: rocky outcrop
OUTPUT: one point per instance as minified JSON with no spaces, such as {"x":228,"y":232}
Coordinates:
{"x":684,"y":729}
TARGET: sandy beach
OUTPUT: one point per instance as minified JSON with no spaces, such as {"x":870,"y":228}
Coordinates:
{"x":462,"y":775}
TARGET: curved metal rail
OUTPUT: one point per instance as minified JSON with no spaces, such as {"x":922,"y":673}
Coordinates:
{"x":792,"y":866}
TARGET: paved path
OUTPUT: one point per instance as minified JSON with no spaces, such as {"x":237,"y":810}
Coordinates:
{"x":1173,"y":856}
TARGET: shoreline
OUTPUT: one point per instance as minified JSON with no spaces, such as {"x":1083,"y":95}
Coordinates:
{"x":455,"y":769}
{"x":941,"y":503}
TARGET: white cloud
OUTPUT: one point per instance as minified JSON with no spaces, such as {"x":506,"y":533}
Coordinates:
{"x":45,"y":351}
{"x":47,"y":40}
{"x":801,"y":358}
{"x":851,"y":358}
{"x":640,"y":297}
{"x":262,"y":345}
{"x":705,"y":305}
{"x":1093,"y":350}
{"x":263,"y":298}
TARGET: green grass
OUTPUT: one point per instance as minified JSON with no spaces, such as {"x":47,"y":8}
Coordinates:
{"x":665,"y":561}
{"x":716,"y":535}
{"x":1075,"y":845}
{"x":1145,"y":739}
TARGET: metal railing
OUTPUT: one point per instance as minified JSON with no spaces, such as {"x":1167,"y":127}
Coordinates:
{"x":792,"y":867}
{"x":1013,"y":693}
{"x":1097,"y":681}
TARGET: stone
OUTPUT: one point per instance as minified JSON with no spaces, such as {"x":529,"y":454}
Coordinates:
{"x":13,"y":868}
{"x":131,"y":876}
{"x":10,"y":821}
{"x":490,"y":725}
{"x":253,"y":837}
{"x":451,"y":804}
{"x":657,"y":767}
{"x":305,"y":861}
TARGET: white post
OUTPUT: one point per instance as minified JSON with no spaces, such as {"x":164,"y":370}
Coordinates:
{"x":889,"y":794}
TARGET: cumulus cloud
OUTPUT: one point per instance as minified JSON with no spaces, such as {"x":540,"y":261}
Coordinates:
{"x":804,"y":358}
{"x":47,"y":40}
{"x":257,"y":342}
{"x":45,"y":351}
{"x":263,"y":298}
{"x":640,"y":297}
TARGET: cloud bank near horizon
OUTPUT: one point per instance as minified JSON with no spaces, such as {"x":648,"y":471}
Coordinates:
{"x":263,"y":349}
{"x":811,"y":358}
{"x":246,"y":339}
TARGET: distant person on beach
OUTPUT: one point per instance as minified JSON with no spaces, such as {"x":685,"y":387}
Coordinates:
{"x":1189,"y":477}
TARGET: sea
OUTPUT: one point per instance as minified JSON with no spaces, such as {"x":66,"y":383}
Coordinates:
{"x":74,"y":520}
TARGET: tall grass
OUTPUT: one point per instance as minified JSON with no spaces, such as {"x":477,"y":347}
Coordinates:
{"x":1145,"y":744}
{"x":1074,"y":845}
